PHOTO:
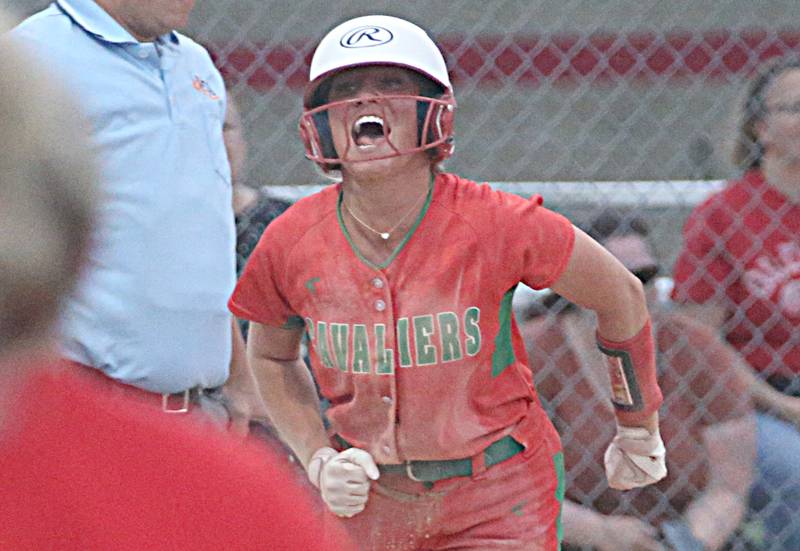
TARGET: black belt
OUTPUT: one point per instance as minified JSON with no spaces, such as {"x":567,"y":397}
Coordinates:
{"x":439,"y":469}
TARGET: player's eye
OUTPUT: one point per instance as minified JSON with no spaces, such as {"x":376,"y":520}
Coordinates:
{"x":343,"y":89}
{"x":397,"y":84}
{"x":392,"y":82}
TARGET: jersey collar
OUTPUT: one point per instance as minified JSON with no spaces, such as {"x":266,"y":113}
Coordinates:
{"x":400,"y":245}
{"x":95,"y":20}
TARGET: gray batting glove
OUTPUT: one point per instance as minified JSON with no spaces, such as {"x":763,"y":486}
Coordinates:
{"x":343,"y":478}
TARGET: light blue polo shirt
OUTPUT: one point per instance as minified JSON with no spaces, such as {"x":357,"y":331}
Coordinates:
{"x":151,"y":311}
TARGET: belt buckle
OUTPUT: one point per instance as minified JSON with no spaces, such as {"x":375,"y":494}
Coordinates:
{"x":184,"y":406}
{"x":410,"y":472}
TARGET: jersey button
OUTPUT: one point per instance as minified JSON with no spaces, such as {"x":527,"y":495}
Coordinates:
{"x":380,"y":306}
{"x":377,"y":283}
{"x":387,"y":400}
{"x":387,"y":450}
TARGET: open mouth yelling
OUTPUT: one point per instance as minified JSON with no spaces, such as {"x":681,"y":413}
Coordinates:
{"x":368,"y":130}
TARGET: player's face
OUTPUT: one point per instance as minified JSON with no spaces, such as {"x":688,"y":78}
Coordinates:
{"x":779,"y":131}
{"x":372,"y":125}
{"x":149,"y":19}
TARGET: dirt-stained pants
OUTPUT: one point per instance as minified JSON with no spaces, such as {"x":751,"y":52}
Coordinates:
{"x":513,"y":505}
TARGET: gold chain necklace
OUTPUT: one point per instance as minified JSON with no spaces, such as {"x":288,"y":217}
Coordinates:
{"x":385,"y":235}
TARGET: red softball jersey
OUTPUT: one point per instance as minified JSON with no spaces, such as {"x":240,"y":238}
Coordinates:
{"x":420,"y":356}
{"x":742,"y":249}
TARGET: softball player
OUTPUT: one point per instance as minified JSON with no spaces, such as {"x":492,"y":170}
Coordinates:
{"x":402,"y":276}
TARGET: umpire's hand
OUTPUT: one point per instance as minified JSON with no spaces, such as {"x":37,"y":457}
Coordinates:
{"x":343,"y":479}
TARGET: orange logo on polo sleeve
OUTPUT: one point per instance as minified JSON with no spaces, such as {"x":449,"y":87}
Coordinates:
{"x":204,"y":87}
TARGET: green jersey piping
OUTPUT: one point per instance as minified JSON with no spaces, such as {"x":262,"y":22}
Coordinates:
{"x":400,"y":245}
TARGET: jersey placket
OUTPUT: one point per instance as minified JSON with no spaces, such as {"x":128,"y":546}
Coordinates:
{"x":385,"y":362}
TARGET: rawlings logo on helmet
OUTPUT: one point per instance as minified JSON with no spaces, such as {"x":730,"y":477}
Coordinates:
{"x":366,"y":37}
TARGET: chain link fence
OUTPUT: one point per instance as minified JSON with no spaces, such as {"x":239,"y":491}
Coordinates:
{"x":621,"y":103}
{"x":548,"y":91}
{"x":592,"y":104}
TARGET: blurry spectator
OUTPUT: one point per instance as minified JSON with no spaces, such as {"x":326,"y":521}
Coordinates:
{"x":707,"y":424}
{"x":151,"y":313}
{"x":254,"y":209}
{"x":85,"y":469}
{"x":740,"y":266}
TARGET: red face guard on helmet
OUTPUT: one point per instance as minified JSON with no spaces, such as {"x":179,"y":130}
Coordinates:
{"x":435,"y":130}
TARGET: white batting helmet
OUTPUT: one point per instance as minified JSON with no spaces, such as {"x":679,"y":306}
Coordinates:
{"x":378,"y":40}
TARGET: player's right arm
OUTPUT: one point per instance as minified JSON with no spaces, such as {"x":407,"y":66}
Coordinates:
{"x":288,"y":390}
{"x":293,"y":407}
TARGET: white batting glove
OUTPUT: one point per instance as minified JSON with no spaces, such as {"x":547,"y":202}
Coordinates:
{"x":318,"y":459}
{"x":635,"y":458}
{"x":343,"y":478}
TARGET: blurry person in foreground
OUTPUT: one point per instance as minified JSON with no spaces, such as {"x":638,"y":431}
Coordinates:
{"x":85,"y":468}
{"x":715,"y":494}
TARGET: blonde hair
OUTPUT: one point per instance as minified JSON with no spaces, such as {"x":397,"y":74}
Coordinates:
{"x":47,"y":197}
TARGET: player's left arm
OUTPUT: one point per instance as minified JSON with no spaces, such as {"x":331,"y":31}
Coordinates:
{"x":242,"y":397}
{"x":595,"y":279}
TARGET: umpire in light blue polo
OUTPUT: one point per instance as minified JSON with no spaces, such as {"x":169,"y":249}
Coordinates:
{"x":151,"y":312}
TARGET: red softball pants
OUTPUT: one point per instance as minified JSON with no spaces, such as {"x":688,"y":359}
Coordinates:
{"x":514,"y":505}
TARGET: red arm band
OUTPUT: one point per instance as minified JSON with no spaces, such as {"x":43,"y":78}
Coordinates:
{"x":632,"y":368}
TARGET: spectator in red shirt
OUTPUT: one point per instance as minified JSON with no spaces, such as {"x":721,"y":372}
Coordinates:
{"x":739,"y":269}
{"x":708,"y":424}
{"x":84,"y":468}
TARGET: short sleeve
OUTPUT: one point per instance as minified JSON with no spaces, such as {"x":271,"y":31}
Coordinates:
{"x":545,"y":240}
{"x":701,"y":270}
{"x":259,"y":295}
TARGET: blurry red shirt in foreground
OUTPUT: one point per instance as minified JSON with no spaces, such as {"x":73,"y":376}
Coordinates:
{"x":84,"y":469}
